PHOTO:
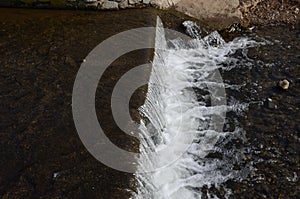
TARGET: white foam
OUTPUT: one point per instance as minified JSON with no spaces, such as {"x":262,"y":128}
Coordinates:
{"x":176,"y":133}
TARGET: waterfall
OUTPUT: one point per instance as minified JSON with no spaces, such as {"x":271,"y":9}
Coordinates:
{"x":185,"y":94}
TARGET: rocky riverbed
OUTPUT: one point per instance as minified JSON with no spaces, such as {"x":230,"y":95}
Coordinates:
{"x":224,"y":13}
{"x":219,"y":13}
{"x":270,"y":12}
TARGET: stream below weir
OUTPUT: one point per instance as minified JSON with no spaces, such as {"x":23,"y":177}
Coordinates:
{"x":41,"y":155}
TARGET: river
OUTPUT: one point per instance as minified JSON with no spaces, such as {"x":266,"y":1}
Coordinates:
{"x":254,"y":155}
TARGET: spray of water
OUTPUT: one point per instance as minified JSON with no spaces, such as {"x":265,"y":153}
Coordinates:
{"x":177,"y":135}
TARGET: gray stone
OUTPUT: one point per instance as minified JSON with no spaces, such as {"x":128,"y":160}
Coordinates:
{"x":110,"y":5}
{"x":134,"y":1}
{"x":123,"y":4}
{"x":163,"y":4}
{"x":146,"y":2}
{"x":221,"y":13}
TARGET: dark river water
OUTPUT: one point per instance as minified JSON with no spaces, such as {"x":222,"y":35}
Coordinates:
{"x":272,"y":130}
{"x":41,"y":155}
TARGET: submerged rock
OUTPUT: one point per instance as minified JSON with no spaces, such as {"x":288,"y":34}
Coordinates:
{"x":270,"y":104}
{"x":284,"y":84}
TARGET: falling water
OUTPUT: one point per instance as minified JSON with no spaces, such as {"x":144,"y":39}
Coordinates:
{"x":184,"y":142}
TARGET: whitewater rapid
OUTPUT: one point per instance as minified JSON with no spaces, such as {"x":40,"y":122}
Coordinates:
{"x":184,"y":116}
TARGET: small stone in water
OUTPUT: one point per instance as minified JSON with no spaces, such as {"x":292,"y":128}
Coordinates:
{"x":270,"y":104}
{"x":55,"y":175}
{"x":284,"y":84}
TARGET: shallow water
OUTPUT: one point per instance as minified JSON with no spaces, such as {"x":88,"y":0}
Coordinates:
{"x":217,"y":164}
{"x":41,"y":155}
{"x":41,"y":52}
{"x":272,"y":132}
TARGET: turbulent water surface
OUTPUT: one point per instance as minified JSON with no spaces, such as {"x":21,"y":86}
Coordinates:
{"x":184,"y":144}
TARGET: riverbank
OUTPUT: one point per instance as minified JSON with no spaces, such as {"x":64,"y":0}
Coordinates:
{"x":270,"y":12}
{"x":220,"y":14}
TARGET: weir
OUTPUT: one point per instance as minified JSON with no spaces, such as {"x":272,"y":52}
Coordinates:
{"x":184,"y":115}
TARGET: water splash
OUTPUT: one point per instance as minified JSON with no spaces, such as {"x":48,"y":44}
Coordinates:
{"x":178,"y":109}
{"x":192,"y":29}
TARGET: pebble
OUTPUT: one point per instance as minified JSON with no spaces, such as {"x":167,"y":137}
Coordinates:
{"x":55,"y":175}
{"x":270,"y":104}
{"x":284,"y":84}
